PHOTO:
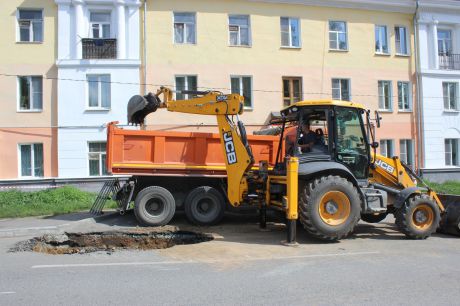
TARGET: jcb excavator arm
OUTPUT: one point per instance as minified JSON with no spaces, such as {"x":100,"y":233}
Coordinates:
{"x":233,"y":138}
{"x":392,"y":173}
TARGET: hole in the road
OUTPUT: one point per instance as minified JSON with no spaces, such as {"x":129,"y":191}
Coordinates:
{"x":73,"y":243}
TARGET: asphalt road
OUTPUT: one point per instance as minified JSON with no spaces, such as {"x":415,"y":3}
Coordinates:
{"x":242,"y":266}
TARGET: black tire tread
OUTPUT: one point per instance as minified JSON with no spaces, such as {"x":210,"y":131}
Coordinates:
{"x":137,"y":210}
{"x":198,"y":191}
{"x":402,"y":218}
{"x":307,"y":190}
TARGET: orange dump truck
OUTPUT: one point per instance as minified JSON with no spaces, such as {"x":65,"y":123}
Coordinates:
{"x":185,"y":167}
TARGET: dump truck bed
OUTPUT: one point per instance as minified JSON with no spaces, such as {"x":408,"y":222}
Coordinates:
{"x":150,"y":152}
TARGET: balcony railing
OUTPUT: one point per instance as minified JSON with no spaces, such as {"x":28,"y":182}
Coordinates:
{"x":449,"y":61}
{"x":98,"y":48}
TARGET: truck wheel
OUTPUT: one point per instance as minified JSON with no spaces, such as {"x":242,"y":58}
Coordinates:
{"x":204,"y":206}
{"x":154,"y":206}
{"x":371,"y":218}
{"x":419,"y":217}
{"x":329,"y":207}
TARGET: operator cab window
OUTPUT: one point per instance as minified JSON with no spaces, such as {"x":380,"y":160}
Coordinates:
{"x":309,"y":136}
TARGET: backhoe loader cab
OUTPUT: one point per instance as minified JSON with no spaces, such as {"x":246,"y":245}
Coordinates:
{"x":329,"y":131}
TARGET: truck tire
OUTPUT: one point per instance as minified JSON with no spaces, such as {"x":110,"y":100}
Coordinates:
{"x":371,"y":218}
{"x":204,"y":205}
{"x":329,"y":207}
{"x":419,"y":217}
{"x":154,"y":206}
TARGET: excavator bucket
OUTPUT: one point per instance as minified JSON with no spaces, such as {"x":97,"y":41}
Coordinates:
{"x":450,"y":223}
{"x":140,"y":106}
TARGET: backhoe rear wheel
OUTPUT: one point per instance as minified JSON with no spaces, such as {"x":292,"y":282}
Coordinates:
{"x":419,"y":217}
{"x":329,"y":207}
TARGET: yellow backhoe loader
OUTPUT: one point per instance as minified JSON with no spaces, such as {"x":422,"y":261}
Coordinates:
{"x":327,"y":177}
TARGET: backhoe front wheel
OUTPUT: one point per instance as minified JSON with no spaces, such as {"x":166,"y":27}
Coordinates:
{"x":419,"y":217}
{"x":329,"y":207}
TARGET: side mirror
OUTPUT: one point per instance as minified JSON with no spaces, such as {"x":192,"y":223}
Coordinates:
{"x":377,"y":118}
{"x":375,"y":145}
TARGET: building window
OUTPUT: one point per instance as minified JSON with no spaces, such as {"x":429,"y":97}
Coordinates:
{"x":444,"y":42}
{"x":404,"y":96}
{"x":387,"y":147}
{"x":186,"y":82}
{"x":30,"y":25}
{"x":184,"y":28}
{"x":341,"y":89}
{"x":239,"y":30}
{"x":98,"y":90}
{"x":381,"y":39}
{"x":96,"y":158}
{"x":406,"y":151}
{"x":30,"y":93}
{"x":338,"y":35}
{"x":243,"y":85}
{"x":450,"y":95}
{"x":451,"y":148}
{"x":292,"y":90}
{"x":31,"y":160}
{"x":290,"y":32}
{"x":385,"y":98}
{"x":401,"y":40}
{"x":100,"y":25}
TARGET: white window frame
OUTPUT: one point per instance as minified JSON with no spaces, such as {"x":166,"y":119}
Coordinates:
{"x":406,"y":42}
{"x":381,"y":94}
{"x":452,"y":34}
{"x":99,"y":155}
{"x":337,"y":36}
{"x":407,"y":145}
{"x":290,"y":33}
{"x":239,"y":44}
{"x":99,"y":92}
{"x":240,"y":79}
{"x":341,"y":88}
{"x":31,"y":30}
{"x":100,"y":23}
{"x":184,"y":38}
{"x":379,"y":50}
{"x":457,"y":98}
{"x":32,"y":158}
{"x":31,"y":93}
{"x":454,"y":145}
{"x":185,"y":76}
{"x":386,"y":142}
{"x":409,"y":96}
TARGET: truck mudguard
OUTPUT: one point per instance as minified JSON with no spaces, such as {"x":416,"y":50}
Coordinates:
{"x":309,"y":169}
{"x":404,"y":194}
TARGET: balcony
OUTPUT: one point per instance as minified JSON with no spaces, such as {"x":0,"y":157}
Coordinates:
{"x":98,"y":48}
{"x":449,"y":61}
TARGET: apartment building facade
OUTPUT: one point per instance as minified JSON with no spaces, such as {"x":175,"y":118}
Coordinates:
{"x":98,"y":64}
{"x":439,"y":45}
{"x":28,"y":134}
{"x":279,"y":52}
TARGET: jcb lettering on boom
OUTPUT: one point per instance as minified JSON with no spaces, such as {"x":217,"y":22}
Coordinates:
{"x":229,"y":148}
{"x":384,"y":166}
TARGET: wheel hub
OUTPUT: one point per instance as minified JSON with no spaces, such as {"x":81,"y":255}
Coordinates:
{"x":420,"y":216}
{"x":331,"y":207}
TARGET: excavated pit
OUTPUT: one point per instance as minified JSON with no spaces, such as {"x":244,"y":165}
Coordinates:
{"x":80,"y":243}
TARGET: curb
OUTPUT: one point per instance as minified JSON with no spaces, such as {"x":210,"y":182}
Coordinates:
{"x":53,"y":229}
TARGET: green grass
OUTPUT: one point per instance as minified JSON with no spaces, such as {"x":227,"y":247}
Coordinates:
{"x":55,"y":201}
{"x":449,"y":187}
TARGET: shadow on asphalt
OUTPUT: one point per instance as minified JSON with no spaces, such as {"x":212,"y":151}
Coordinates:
{"x":243,"y":228}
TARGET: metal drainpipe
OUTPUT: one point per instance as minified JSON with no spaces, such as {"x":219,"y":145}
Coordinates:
{"x":418,"y":85}
{"x":145,"y":47}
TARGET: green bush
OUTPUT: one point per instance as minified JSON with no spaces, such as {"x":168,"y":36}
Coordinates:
{"x":54,"y":201}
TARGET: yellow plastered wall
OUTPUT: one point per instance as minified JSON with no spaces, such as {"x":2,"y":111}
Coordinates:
{"x":214,"y":61}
